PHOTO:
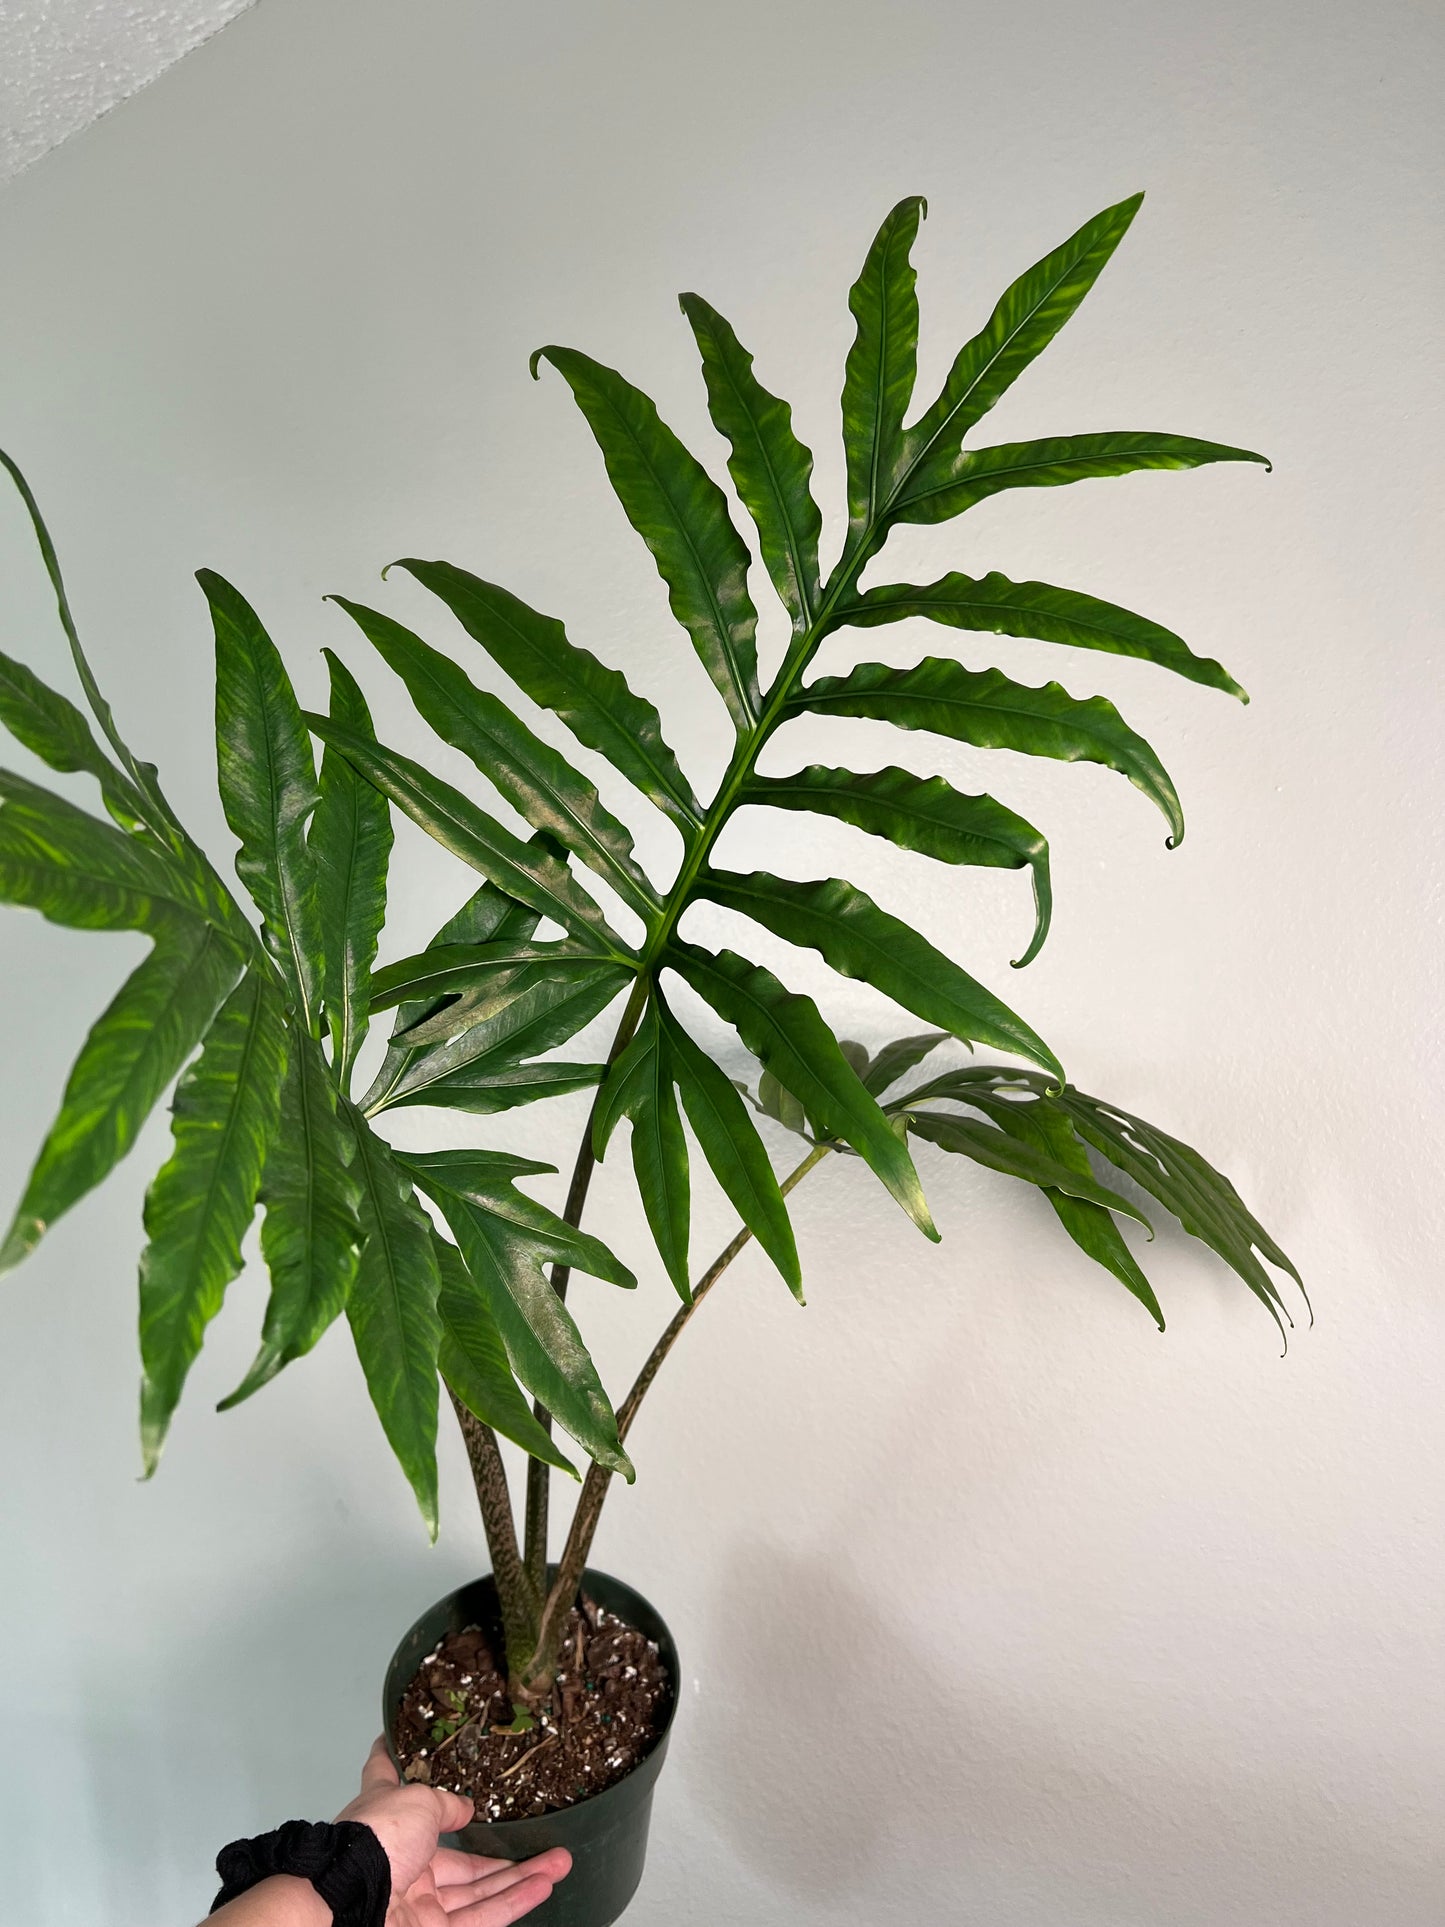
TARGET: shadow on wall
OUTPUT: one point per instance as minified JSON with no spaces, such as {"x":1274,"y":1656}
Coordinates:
{"x":851,"y":1763}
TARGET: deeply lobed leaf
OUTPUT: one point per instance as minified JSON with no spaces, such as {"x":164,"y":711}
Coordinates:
{"x":524,"y":870}
{"x":992,"y":604}
{"x":1022,"y":325}
{"x":1051,"y":463}
{"x":593,"y":700}
{"x":682,"y":516}
{"x":787,"y":1033}
{"x":203,"y":1199}
{"x":311,"y":1234}
{"x":639,"y":1086}
{"x":988,"y":709}
{"x":505,"y":1238}
{"x":473,"y":1361}
{"x":351,"y":840}
{"x":534,"y":778}
{"x":133,"y":1051}
{"x":882,"y":363}
{"x":859,"y":940}
{"x":770,"y":467}
{"x":923,"y":814}
{"x":392,"y":1310}
{"x":267,"y":777}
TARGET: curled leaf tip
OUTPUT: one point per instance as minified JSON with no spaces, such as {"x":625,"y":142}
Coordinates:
{"x":537,"y":354}
{"x":1041,"y":931}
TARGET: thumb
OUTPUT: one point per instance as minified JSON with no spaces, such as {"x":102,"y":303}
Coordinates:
{"x":453,"y":1812}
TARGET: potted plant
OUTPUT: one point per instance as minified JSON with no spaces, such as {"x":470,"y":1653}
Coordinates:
{"x":449,"y":1274}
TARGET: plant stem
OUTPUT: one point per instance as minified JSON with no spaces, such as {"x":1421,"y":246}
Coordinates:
{"x":598,"y":1480}
{"x":519,"y":1600}
{"x":539,"y":1475}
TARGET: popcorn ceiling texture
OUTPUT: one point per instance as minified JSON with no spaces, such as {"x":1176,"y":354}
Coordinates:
{"x":64,"y":63}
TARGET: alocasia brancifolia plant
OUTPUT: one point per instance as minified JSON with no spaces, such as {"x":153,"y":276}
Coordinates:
{"x":264,"y":1024}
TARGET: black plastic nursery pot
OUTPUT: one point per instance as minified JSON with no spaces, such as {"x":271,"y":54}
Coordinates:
{"x":606,"y":1834}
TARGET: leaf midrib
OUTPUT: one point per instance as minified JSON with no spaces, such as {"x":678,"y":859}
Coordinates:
{"x":909,"y":812}
{"x":722,"y":628}
{"x":686,"y":804}
{"x":800,"y":575}
{"x":988,"y":366}
{"x":628,"y":880}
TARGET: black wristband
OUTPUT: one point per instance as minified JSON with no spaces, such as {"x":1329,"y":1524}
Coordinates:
{"x":343,"y":1860}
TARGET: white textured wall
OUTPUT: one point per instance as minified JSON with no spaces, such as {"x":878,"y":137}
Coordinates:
{"x":63,"y":63}
{"x":996,"y":1606}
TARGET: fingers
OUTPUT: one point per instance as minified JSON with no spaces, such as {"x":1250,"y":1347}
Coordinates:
{"x":378,"y":1771}
{"x":501,"y":1909}
{"x":467,"y":1877}
{"x":452,"y":1868}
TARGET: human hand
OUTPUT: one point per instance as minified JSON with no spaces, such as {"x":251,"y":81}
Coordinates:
{"x":435,"y":1886}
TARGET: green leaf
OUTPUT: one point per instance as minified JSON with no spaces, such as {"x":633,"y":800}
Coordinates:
{"x":52,"y":728}
{"x":639,"y":1087}
{"x":682,"y":516}
{"x":484,"y":1069}
{"x":988,"y":709}
{"x":487,"y":1178}
{"x":897,"y":1059}
{"x":787,"y":1034}
{"x":859,"y":940}
{"x":733,"y":1149}
{"x":1201,"y":1198}
{"x":158,"y":813}
{"x":267,"y":777}
{"x":926,"y":815}
{"x":505,"y":1239}
{"x":781,"y":1105}
{"x":770,"y":467}
{"x":523,"y":870}
{"x":994,"y":605}
{"x":203,"y":1199}
{"x":393,"y":1314}
{"x":80,"y":872}
{"x":488,"y":914}
{"x":311,"y":1233}
{"x":593,"y":700}
{"x":1053,"y":462}
{"x":492,"y":989}
{"x":1016,"y":1158}
{"x":132,"y":1053}
{"x":446,"y":970}
{"x":350,"y":840}
{"x":882,"y":363}
{"x":474,"y":1364}
{"x":1023,"y":324}
{"x":1041,"y":1121}
{"x":534,"y":778}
